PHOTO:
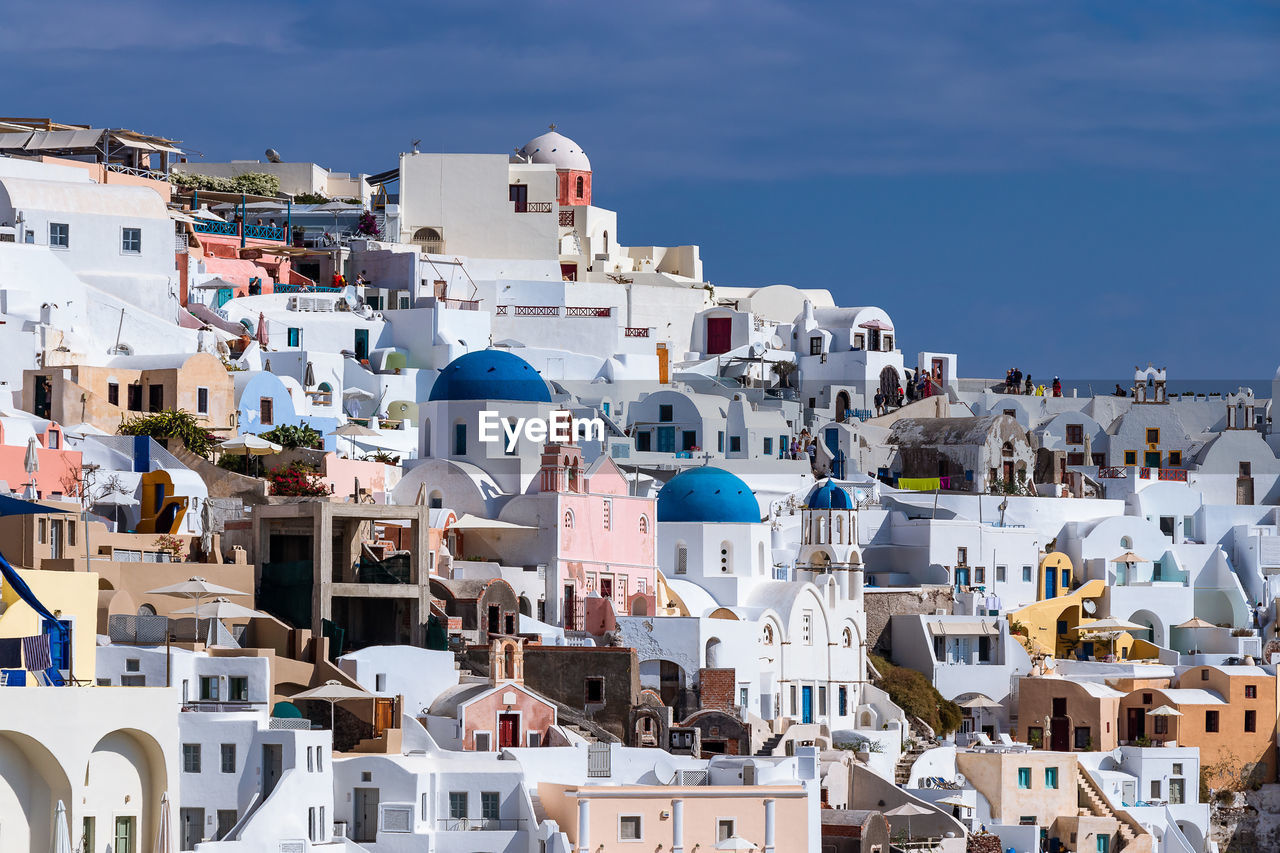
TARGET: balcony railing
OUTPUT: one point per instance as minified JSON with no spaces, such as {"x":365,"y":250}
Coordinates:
{"x":581,"y":311}
{"x":224,"y":229}
{"x":264,"y":232}
{"x":481,"y":824}
{"x":536,"y":310}
{"x":566,"y":218}
{"x":637,"y":332}
{"x":303,"y":288}
{"x":1111,"y":472}
{"x":275,"y":233}
{"x":460,"y":304}
{"x":133,"y":170}
{"x":431,"y":247}
{"x":209,"y":706}
{"x":533,"y":207}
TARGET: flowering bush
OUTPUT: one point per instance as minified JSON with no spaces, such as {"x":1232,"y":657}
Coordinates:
{"x":368,"y":226}
{"x":170,"y":545}
{"x":297,"y":480}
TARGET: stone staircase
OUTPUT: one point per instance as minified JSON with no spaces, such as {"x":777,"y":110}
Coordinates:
{"x":770,"y":745}
{"x":920,"y":741}
{"x":539,"y":811}
{"x":586,"y":735}
{"x":1093,"y":804}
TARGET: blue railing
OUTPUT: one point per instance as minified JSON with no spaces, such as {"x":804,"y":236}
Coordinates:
{"x":205,"y":226}
{"x":232,"y":229}
{"x":298,"y":288}
{"x":264,"y":232}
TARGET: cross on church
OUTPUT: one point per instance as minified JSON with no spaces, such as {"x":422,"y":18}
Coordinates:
{"x":706,"y":458}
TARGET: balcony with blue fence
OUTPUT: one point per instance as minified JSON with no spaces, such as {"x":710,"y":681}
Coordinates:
{"x":274,"y":233}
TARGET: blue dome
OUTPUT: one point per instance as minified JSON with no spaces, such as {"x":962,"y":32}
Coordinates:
{"x":829,"y":496}
{"x":707,"y":495}
{"x":490,"y":374}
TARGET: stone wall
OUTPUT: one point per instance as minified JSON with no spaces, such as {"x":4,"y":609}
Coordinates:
{"x":881,"y":604}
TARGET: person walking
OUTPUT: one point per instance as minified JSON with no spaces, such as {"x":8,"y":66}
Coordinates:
{"x":1030,"y":386}
{"x":878,"y":399}
{"x":1057,"y":387}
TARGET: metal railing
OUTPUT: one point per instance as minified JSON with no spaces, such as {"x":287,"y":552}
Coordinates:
{"x":481,"y":824}
{"x":536,"y":310}
{"x":1111,"y":472}
{"x":637,"y":332}
{"x":566,"y":218}
{"x":180,"y":242}
{"x":264,"y":232}
{"x":431,"y":247}
{"x":209,"y":226}
{"x":133,"y":170}
{"x":582,"y":311}
{"x":460,"y":304}
{"x":275,"y":233}
{"x":209,"y":706}
{"x":533,"y":207}
{"x":303,"y":288}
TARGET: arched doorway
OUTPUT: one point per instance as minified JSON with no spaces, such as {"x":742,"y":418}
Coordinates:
{"x":890,"y":382}
{"x":842,"y":406}
{"x":526,"y":606}
{"x":31,"y":784}
{"x":713,"y":653}
{"x":1155,"y":633}
{"x":430,"y":240}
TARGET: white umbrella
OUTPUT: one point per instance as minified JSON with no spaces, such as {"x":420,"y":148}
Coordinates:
{"x":163,"y":842}
{"x":1111,"y":623}
{"x":115,"y":500}
{"x":332,"y":692}
{"x":61,"y":832}
{"x":735,"y":842}
{"x":31,"y":462}
{"x":221,"y":608}
{"x":1164,"y":711}
{"x":205,"y":213}
{"x":249,"y":444}
{"x":196,"y":588}
{"x":908,"y":810}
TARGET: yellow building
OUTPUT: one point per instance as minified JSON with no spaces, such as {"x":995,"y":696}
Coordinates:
{"x":70,"y":596}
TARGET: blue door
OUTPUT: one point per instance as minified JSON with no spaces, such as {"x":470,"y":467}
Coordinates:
{"x":1050,"y":584}
{"x":666,"y":439}
{"x":962,"y":576}
{"x":224,"y":296}
{"x":59,"y":642}
{"x":831,"y":437}
{"x":806,"y":704}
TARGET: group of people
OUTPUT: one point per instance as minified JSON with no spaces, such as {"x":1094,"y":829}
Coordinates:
{"x":1015,"y":382}
{"x":919,"y":385}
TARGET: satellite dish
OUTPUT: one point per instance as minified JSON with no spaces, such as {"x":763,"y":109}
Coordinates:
{"x":662,"y":769}
{"x":273,"y":156}
{"x":1090,"y":607}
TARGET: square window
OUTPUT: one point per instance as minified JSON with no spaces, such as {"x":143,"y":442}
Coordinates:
{"x":238,"y":688}
{"x":191,"y":758}
{"x":1131,"y":457}
{"x":1153,"y":436}
{"x":133,"y":665}
{"x":595,"y":691}
{"x":644,"y":441}
{"x":1175,"y":457}
{"x":482,"y":742}
{"x":1177,"y":770}
{"x":724,"y":829}
{"x":735,"y":443}
{"x":666,"y":413}
{"x":629,"y":828}
{"x":131,"y":241}
{"x":815,"y":345}
{"x":1251,"y":691}
{"x":1075,"y":434}
{"x":59,"y":235}
{"x":209,"y":691}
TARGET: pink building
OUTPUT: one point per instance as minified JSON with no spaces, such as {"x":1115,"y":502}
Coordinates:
{"x":606,"y":542}
{"x":59,"y":468}
{"x":502,"y":713}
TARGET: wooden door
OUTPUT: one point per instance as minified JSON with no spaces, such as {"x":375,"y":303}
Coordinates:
{"x":719,"y":335}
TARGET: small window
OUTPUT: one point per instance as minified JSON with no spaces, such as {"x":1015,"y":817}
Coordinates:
{"x":458,"y":805}
{"x":131,"y":241}
{"x":1204,"y":675}
{"x":1075,"y":434}
{"x":482,"y":742}
{"x":59,"y":235}
{"x":459,"y":439}
{"x":1051,"y":777}
{"x":607,"y":514}
{"x":229,"y":758}
{"x":666,"y":413}
{"x":962,"y":556}
{"x":202,"y":401}
{"x":644,"y":441}
{"x":294,"y":336}
{"x":568,"y":519}
{"x":735,"y":444}
{"x":1153,"y":436}
{"x":1246,"y":469}
{"x":1024,"y":778}
{"x":1210,"y":721}
{"x":1146,"y":698}
{"x":1026,"y":574}
{"x":489,"y":805}
{"x":1250,"y":721}
{"x":595,"y":691}
{"x":238,"y":688}
{"x":209,"y":685}
{"x":1131,"y":457}
{"x":113,"y":393}
{"x":266,"y":411}
{"x":629,"y":824}
{"x":581,"y":185}
{"x":644,"y":525}
{"x":1175,"y":457}
{"x":724,"y":830}
{"x":1000,"y":574}
{"x":1251,"y":691}
{"x":768,"y":447}
{"x":815,"y":345}
{"x":682,"y":559}
{"x":191,"y":758}
{"x":980,"y":574}
{"x":1177,"y":770}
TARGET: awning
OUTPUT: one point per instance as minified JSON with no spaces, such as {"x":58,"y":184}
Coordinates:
{"x":14,"y":140}
{"x":964,"y":627}
{"x":44,"y":140}
{"x":130,"y":142}
{"x":475,"y":522}
{"x":877,"y":325}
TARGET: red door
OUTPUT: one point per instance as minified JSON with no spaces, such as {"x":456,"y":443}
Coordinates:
{"x":719,"y":334}
{"x":508,"y":730}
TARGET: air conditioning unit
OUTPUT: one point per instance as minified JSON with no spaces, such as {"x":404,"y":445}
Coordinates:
{"x":339,"y":829}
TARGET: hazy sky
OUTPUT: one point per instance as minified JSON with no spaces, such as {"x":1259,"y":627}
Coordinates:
{"x":1072,"y":187}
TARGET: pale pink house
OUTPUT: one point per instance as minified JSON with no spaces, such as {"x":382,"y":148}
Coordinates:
{"x":502,"y":713}
{"x":59,"y":468}
{"x":606,"y":543}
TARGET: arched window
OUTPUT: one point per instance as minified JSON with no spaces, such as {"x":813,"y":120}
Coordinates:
{"x":146,"y":610}
{"x":606,"y":242}
{"x":839,"y":530}
{"x":766,"y":636}
{"x":644,"y":525}
{"x":568,"y":518}
{"x":581,"y":185}
{"x":822,"y":531}
{"x":1126,"y":543}
{"x":429,"y":239}
{"x":846,"y":638}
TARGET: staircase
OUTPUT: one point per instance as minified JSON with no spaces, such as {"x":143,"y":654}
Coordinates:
{"x":586,"y":735}
{"x":539,"y":811}
{"x":902,"y":770}
{"x":1092,"y":803}
{"x":770,"y":745}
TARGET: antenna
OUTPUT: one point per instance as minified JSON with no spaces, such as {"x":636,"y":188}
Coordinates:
{"x":416,"y":143}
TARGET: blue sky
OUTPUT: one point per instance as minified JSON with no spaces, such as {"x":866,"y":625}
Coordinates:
{"x":1072,"y":187}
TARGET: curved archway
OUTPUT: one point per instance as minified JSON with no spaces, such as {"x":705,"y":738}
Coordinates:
{"x":526,"y":606}
{"x":639,"y":606}
{"x":128,"y":764}
{"x":890,"y":382}
{"x":714,"y":654}
{"x":842,"y":406}
{"x":31,"y":784}
{"x":1156,"y":632}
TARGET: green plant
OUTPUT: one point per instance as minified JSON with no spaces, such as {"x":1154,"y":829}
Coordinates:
{"x":310,"y":198}
{"x":289,"y":436}
{"x":176,"y":424}
{"x":382,"y":456}
{"x":1035,"y":737}
{"x":250,"y":183}
{"x":912,"y":692}
{"x":297,"y":480}
{"x":1142,"y":740}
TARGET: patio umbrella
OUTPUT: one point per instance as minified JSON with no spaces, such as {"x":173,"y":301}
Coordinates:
{"x":1129,"y":557}
{"x":879,"y":326}
{"x":1111,"y":623}
{"x":1164,"y":711}
{"x":309,"y":377}
{"x":196,"y":588}
{"x":115,"y":500}
{"x":1196,"y":622}
{"x":249,"y":444}
{"x":222,"y":608}
{"x":908,"y":810}
{"x":163,"y":842}
{"x":31,"y":464}
{"x":979,"y":703}
{"x":735,"y":842}
{"x":350,"y":431}
{"x":262,"y":335}
{"x":61,"y":832}
{"x":205,"y":213}
{"x":332,"y":692}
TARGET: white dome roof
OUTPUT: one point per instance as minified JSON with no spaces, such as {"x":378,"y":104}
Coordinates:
{"x":558,"y":150}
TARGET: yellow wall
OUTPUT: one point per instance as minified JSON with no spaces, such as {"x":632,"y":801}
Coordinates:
{"x":1041,"y":621}
{"x":70,"y":595}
